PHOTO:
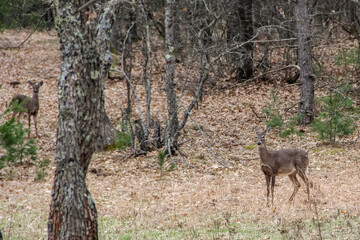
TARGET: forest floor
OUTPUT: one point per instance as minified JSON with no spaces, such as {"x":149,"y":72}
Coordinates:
{"x":136,"y":199}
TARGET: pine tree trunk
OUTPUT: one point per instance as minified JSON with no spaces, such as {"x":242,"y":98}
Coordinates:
{"x":306,"y":104}
{"x":85,"y":64}
{"x":173,"y":124}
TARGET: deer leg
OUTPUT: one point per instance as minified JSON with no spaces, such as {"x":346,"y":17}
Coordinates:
{"x":272,"y":189}
{"x":296,"y":186}
{"x":29,"y":120}
{"x":267,"y":177}
{"x":35,"y":122}
{"x":303,"y":176}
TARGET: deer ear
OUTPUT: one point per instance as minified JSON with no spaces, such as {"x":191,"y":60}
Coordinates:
{"x":41,"y":83}
{"x":267,"y":130}
{"x":30,"y":83}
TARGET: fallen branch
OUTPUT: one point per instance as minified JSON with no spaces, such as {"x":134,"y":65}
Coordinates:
{"x":253,"y":110}
{"x":267,"y":72}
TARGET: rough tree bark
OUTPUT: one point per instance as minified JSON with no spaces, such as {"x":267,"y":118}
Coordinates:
{"x":85,"y":64}
{"x":173,"y":124}
{"x":306,"y":104}
{"x":239,"y":30}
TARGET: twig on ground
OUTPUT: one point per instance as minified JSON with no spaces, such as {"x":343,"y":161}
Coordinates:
{"x":253,"y":110}
{"x":128,"y":156}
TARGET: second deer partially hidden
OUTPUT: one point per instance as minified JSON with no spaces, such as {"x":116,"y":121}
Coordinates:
{"x":286,"y":162}
{"x":31,"y":104}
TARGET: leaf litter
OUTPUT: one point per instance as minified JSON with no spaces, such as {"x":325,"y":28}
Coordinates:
{"x":137,"y":189}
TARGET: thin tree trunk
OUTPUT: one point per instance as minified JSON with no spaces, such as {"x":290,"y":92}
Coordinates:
{"x":306,"y":104}
{"x":239,"y":30}
{"x":172,"y":127}
{"x":148,"y":62}
{"x":127,"y":52}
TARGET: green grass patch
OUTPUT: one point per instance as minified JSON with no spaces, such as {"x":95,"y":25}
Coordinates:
{"x":250,"y":147}
{"x":337,"y":226}
{"x":332,"y":227}
{"x":331,"y":152}
{"x":328,"y":152}
{"x":18,"y":223}
{"x":316,"y":150}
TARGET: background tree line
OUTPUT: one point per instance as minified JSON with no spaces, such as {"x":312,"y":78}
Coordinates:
{"x":235,"y":40}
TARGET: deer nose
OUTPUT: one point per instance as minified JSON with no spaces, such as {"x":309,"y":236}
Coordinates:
{"x":258,"y":143}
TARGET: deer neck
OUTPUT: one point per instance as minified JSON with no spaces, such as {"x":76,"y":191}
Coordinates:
{"x":263,"y":152}
{"x":35,"y":100}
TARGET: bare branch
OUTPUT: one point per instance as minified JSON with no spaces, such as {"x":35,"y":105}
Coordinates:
{"x":194,"y":100}
{"x":129,"y":81}
{"x":34,"y":30}
{"x":253,"y":110}
{"x":85,"y":5}
{"x":205,"y":139}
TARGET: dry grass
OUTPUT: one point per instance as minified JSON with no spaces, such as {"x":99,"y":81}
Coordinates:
{"x":135,"y":199}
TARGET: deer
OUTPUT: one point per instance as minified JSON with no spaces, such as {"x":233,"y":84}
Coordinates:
{"x":30,"y":104}
{"x":285,"y":162}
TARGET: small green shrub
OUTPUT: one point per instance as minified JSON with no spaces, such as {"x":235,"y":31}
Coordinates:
{"x":161,"y":158}
{"x":12,"y":139}
{"x":348,"y":57}
{"x":272,"y":111}
{"x":41,"y":174}
{"x":275,"y":119}
{"x":336,"y":118}
{"x":290,"y":127}
{"x":44,"y":163}
{"x":172,"y":167}
{"x":11,"y":174}
{"x":123,"y":140}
